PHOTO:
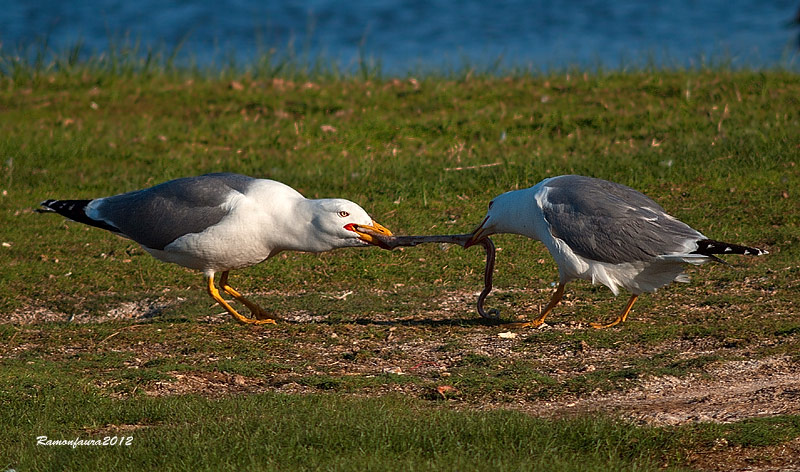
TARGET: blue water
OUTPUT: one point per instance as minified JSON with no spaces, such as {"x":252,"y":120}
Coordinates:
{"x":405,"y":36}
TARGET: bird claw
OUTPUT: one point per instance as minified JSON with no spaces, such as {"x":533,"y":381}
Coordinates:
{"x":253,"y":321}
{"x":262,"y":315}
{"x":604,"y":326}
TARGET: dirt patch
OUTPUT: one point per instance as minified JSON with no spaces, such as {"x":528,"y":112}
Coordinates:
{"x":725,"y":458}
{"x":729,"y":392}
{"x":211,"y":384}
{"x":127,"y":311}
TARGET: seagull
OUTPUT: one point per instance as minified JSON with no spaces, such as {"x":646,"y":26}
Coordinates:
{"x":604,"y":232}
{"x":224,"y":221}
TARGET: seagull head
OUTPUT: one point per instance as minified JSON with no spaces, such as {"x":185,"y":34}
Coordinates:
{"x":347,"y":224}
{"x":501,"y":217}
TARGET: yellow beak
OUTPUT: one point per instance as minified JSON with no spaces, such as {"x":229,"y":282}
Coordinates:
{"x":372,"y":233}
{"x":479,"y":233}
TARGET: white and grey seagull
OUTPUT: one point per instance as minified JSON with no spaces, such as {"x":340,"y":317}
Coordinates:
{"x":215,"y":223}
{"x":604,"y":232}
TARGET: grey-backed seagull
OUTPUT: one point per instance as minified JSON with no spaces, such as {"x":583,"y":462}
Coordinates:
{"x":220,"y":222}
{"x":603,"y":232}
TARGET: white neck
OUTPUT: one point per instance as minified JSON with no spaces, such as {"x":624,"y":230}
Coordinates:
{"x":521,"y":216}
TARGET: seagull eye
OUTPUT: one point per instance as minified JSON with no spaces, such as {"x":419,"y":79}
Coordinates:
{"x":344,"y":214}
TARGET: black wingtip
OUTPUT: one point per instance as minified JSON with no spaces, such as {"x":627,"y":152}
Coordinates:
{"x":74,"y":210}
{"x":65,"y":207}
{"x":709,"y":247}
{"x":45,"y":208}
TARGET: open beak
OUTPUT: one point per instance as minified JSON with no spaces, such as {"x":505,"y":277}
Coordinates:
{"x":372,"y":233}
{"x":479,"y":233}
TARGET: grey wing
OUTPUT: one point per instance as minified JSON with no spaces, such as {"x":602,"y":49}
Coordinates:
{"x":609,"y":222}
{"x":156,"y":216}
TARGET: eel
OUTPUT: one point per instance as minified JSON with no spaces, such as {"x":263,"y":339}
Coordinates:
{"x":391,"y":242}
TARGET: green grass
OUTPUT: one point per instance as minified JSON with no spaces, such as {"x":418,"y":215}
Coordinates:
{"x":329,"y":432}
{"x":357,"y":384}
{"x":319,"y":432}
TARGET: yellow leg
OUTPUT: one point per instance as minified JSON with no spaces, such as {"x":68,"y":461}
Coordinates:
{"x":559,"y":293}
{"x":256,"y":310}
{"x":212,"y":290}
{"x":621,"y":318}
